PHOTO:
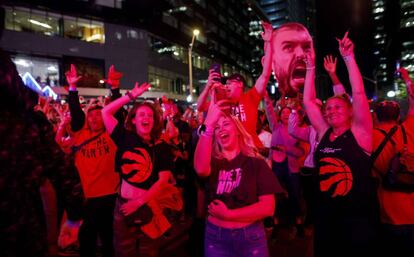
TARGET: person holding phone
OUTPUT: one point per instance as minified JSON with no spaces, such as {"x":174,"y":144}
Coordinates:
{"x":244,"y":105}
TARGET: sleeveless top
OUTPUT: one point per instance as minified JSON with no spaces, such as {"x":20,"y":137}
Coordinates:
{"x":345,"y":189}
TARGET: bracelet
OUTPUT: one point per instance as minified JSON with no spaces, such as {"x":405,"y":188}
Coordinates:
{"x":310,"y":68}
{"x":347,"y":58}
{"x":209,"y":131}
{"x":132,"y":98}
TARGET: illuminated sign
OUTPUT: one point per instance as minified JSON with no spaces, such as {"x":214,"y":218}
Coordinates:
{"x":31,"y":83}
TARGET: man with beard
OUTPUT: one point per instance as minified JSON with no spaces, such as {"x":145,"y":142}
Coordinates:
{"x":291,"y":42}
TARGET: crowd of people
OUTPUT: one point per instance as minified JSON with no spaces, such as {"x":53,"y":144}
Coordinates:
{"x":118,"y":172}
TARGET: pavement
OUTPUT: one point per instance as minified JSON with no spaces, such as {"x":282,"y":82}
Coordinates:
{"x":184,"y":240}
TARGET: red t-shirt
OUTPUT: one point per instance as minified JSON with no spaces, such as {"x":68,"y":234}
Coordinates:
{"x":96,"y":164}
{"x":246,"y":112}
{"x":396,"y":207}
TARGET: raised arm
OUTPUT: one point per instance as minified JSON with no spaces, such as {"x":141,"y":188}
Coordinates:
{"x":202,"y":155}
{"x":108,"y":112}
{"x":202,"y":101}
{"x":270,"y":111}
{"x":294,"y":128}
{"x":410,"y":90}
{"x":361,"y":116}
{"x":78,"y":116}
{"x":113,"y":80}
{"x":263,"y":79}
{"x":329,"y":63}
{"x":310,"y":101}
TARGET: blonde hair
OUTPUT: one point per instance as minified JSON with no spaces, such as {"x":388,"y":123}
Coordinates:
{"x":246,"y":144}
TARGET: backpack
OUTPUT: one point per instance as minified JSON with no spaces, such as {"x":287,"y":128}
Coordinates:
{"x":400,"y":173}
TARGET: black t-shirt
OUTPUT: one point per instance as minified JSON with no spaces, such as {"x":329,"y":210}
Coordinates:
{"x":137,"y":162}
{"x":345,"y":187}
{"x":240,"y":182}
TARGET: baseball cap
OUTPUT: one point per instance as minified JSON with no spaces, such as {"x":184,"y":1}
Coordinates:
{"x":237,"y":77}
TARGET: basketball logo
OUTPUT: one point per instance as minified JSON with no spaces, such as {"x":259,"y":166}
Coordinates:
{"x":137,"y":165}
{"x":335,"y":177}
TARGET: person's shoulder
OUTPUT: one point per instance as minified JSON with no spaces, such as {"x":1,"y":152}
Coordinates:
{"x":409,"y":121}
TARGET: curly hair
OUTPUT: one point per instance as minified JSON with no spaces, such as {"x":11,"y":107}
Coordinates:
{"x":158,"y":125}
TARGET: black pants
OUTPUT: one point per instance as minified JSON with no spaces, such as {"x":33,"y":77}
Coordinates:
{"x":98,"y":220}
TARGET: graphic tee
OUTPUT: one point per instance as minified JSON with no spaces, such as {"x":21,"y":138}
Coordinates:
{"x":137,"y":162}
{"x":240,"y":181}
{"x":346,"y":205}
{"x":95,"y":162}
{"x":246,"y":112}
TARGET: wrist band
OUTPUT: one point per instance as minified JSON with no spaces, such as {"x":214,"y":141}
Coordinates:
{"x":132,"y":98}
{"x":209,"y":131}
{"x":348,"y":57}
{"x":310,"y":68}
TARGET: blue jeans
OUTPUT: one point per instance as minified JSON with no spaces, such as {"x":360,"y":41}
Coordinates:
{"x":238,"y":242}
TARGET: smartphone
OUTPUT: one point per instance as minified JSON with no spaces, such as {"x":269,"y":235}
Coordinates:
{"x":216,"y":68}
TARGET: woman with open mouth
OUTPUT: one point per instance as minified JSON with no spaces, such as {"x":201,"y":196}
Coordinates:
{"x":145,"y":166}
{"x":241,"y":188}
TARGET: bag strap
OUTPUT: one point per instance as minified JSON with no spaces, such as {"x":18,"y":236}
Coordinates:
{"x":375,"y":155}
{"x":76,"y":148}
{"x":385,"y":134}
{"x":404,"y":137}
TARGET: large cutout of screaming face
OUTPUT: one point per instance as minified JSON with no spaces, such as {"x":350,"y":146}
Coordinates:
{"x":291,"y":44}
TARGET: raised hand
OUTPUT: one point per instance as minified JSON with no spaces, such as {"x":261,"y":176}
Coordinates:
{"x":346,"y":46}
{"x":310,"y":61}
{"x":213,"y":114}
{"x":213,"y":77}
{"x":404,"y":73}
{"x":113,"y":77}
{"x":72,"y":77}
{"x":267,"y":31}
{"x":139,"y":90}
{"x":406,"y":77}
{"x":329,"y":63}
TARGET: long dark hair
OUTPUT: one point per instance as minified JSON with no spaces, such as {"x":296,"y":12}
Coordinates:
{"x":156,"y":129}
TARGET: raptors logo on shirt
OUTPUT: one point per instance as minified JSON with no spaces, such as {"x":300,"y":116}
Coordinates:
{"x":335,"y":177}
{"x":136,"y":165}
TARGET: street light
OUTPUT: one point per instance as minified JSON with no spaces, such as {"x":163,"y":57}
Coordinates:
{"x":196,"y":32}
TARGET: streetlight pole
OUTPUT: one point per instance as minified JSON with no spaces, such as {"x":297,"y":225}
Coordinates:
{"x":196,"y":32}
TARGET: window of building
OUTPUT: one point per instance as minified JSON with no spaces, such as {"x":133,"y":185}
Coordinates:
{"x":86,"y":30}
{"x":45,"y":70}
{"x":91,"y":70}
{"x":170,"y":20}
{"x":26,"y":20}
{"x":110,"y":3}
{"x":166,"y":81}
{"x":50,"y":24}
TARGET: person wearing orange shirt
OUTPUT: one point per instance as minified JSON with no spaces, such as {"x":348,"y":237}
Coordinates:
{"x":94,"y":153}
{"x":397,"y":207}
